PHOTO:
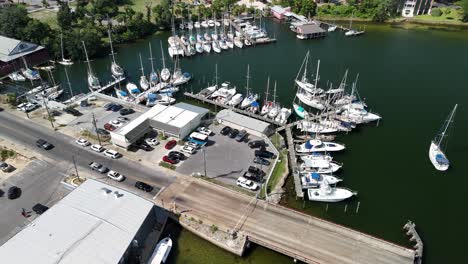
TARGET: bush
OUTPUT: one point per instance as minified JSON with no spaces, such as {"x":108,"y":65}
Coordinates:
{"x":436,"y":12}
{"x":167,"y":165}
{"x":213,"y":228}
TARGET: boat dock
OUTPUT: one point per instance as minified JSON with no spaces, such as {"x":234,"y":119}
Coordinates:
{"x":411,"y":231}
{"x":110,"y":84}
{"x":293,"y":161}
{"x":333,"y":25}
{"x":240,"y":111}
{"x":181,"y":44}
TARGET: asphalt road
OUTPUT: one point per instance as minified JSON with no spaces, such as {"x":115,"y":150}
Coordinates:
{"x":65,"y":149}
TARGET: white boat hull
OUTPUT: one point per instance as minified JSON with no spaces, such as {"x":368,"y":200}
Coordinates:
{"x":338,"y":195}
{"x":434,"y":151}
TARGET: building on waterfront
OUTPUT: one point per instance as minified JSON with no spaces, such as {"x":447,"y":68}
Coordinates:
{"x":411,"y":8}
{"x":253,"y":126}
{"x":177,"y":121}
{"x":280,"y":12}
{"x":310,"y":31}
{"x":12,"y":52}
{"x":95,"y":223}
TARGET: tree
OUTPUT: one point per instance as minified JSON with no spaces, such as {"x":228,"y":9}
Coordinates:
{"x":148,"y":11}
{"x":464,"y":6}
{"x":45,"y":3}
{"x":64,"y":16}
{"x":384,"y":10}
{"x":13,"y":18}
{"x":308,"y":8}
{"x":105,"y":7}
{"x":36,"y":32}
{"x":162,"y":14}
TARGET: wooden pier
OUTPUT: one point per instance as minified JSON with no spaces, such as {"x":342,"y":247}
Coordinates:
{"x":237,"y":110}
{"x":293,"y":162}
{"x":411,"y":231}
{"x":110,"y":84}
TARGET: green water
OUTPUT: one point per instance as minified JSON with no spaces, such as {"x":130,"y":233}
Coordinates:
{"x":411,"y":77}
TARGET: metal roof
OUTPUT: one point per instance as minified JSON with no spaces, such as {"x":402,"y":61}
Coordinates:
{"x":11,"y":49}
{"x":309,"y":29}
{"x":94,"y":224}
{"x":243,"y":121}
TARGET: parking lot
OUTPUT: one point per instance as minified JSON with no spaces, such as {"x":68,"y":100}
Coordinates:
{"x":226,"y":159}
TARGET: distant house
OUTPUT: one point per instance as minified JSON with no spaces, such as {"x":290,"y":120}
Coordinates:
{"x":280,"y":12}
{"x":12,"y":51}
{"x":4,"y":3}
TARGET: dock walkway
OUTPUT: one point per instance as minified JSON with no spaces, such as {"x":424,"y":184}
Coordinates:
{"x":240,"y":111}
{"x":293,"y":162}
{"x":110,"y":84}
{"x":411,"y":231}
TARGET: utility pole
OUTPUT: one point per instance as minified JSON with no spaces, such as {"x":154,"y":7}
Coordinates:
{"x":76,"y":169}
{"x":48,"y":112}
{"x":204,"y":160}
{"x":95,"y":128}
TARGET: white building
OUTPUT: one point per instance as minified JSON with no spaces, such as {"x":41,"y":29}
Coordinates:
{"x":251,"y":125}
{"x":94,"y":224}
{"x":177,"y":120}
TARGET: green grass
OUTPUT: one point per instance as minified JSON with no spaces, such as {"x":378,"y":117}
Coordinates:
{"x":278,"y":171}
{"x":448,"y":15}
{"x":139,"y":5}
{"x":167,"y":165}
{"x":47,"y":16}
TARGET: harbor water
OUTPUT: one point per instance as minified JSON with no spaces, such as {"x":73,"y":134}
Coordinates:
{"x":411,"y":77}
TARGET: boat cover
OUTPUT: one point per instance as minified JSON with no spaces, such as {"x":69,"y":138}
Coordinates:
{"x":441,"y":159}
{"x":135,"y":90}
{"x":187,"y":75}
{"x":151,"y":96}
{"x":123,"y":93}
{"x":315,"y":176}
{"x":255,"y":104}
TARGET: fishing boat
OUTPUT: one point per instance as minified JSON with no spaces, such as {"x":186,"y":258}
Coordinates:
{"x":316,"y":145}
{"x":313,"y":127}
{"x":313,"y":179}
{"x":283,"y":116}
{"x":319,"y":166}
{"x":93,"y":81}
{"x":116,"y":70}
{"x":437,"y":149}
{"x":161,"y":252}
{"x":17,"y":77}
{"x":238,"y":42}
{"x":235,"y":100}
{"x":300,"y":111}
{"x":216,"y":47}
{"x":133,"y":89}
{"x":165,"y":73}
{"x":65,"y":62}
{"x":327,"y":193}
{"x":144,"y":84}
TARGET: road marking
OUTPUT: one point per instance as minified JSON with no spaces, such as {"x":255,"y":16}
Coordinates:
{"x":159,"y":192}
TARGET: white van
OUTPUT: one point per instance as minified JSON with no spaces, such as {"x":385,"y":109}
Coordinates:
{"x":199,"y":136}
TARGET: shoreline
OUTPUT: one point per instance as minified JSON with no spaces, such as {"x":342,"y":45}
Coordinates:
{"x":400,"y":21}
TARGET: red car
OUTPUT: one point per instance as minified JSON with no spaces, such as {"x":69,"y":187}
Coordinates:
{"x":169,"y":160}
{"x":170,"y":144}
{"x":109,"y":127}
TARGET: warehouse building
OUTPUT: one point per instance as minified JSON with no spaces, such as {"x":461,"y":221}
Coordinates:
{"x":12,"y":52}
{"x":253,"y":126}
{"x":177,"y":121}
{"x":94,"y":224}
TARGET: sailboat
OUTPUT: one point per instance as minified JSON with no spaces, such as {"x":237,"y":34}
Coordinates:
{"x":153,"y":81}
{"x":180,"y":78}
{"x":352,"y":32}
{"x":144,"y":84}
{"x":283,"y":116}
{"x":28,"y":73}
{"x":266,"y":104}
{"x":207,"y":92}
{"x":238,"y":42}
{"x":235,"y":100}
{"x":249,"y":96}
{"x":300,"y":111}
{"x":316,"y":145}
{"x":165,"y":73}
{"x":93,"y":81}
{"x":275,"y":106}
{"x":436,"y":150}
{"x":64,"y":61}
{"x":133,"y":89}
{"x":327,"y":193}
{"x":304,"y":82}
{"x":161,"y":252}
{"x":116,"y":70}
{"x":308,"y":95}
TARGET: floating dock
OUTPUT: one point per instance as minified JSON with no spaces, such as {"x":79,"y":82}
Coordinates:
{"x":411,"y":231}
{"x":110,"y":84}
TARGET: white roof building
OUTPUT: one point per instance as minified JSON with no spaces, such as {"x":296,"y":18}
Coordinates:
{"x":251,"y":125}
{"x":94,"y":224}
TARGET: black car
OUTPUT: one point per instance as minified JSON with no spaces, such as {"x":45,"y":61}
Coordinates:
{"x":261,"y":161}
{"x":14,"y":192}
{"x":256,"y":171}
{"x":264,"y":154}
{"x":241,"y":136}
{"x":1,"y":193}
{"x":176,"y":154}
{"x":143,"y":186}
{"x":225,"y":130}
{"x":116,"y":107}
{"x":72,"y":111}
{"x":144,"y":146}
{"x":233,"y":133}
{"x":41,"y":143}
{"x":126,"y":111}
{"x":257,"y":144}
{"x":40,"y":208}
{"x":251,"y":176}
{"x":108,"y":106}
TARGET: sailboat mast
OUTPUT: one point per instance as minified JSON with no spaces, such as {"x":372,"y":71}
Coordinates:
{"x":248,"y":78}
{"x":87,"y":59}
{"x":447,"y":124}
{"x":61,"y":46}
{"x":268,"y":88}
{"x":141,"y":64}
{"x":68,"y":81}
{"x":216,"y":74}
{"x":112,"y":48}
{"x":162,"y":52}
{"x":151,"y":57}
{"x":317,"y":74}
{"x":274,"y":94}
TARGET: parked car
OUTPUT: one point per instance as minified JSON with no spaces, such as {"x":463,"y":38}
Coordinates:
{"x":192,"y":144}
{"x":261,"y":161}
{"x":116,"y":123}
{"x":115,"y":176}
{"x":233,"y":133}
{"x":5,"y":167}
{"x":204,"y":131}
{"x":152,"y":141}
{"x":188,"y":149}
{"x":248,"y":184}
{"x":40,"y":208}
{"x":126,"y":111}
{"x":82,"y":142}
{"x":98,"y":167}
{"x":143,"y":186}
{"x":41,"y":143}
{"x":144,"y":146}
{"x":256,"y":171}
{"x":109,"y":127}
{"x":20,"y":106}
{"x":108,"y":106}
{"x":177,"y":155}
{"x":171,"y":160}
{"x":116,"y":108}
{"x":123,"y":119}
{"x":14,"y":192}
{"x":251,"y":176}
{"x":225,"y":130}
{"x":97,"y":148}
{"x":264,"y":154}
{"x":29,"y":107}
{"x":170,"y":144}
{"x":241,"y":136}
{"x":257,"y":144}
{"x":72,"y":111}
{"x":112,"y":153}
{"x":101,"y":131}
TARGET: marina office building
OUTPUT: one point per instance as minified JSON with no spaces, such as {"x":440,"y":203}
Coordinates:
{"x":178,"y":121}
{"x":94,"y":224}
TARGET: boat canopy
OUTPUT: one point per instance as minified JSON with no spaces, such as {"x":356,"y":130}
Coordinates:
{"x":442,"y":160}
{"x":123,"y":93}
{"x":135,"y":90}
{"x":255,"y":104}
{"x":151,"y":96}
{"x":313,"y":142}
{"x":315,"y":176}
{"x":187,"y":75}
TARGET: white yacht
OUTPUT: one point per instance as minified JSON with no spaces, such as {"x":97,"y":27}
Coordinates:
{"x":310,"y":99}
{"x":17,"y":77}
{"x":182,"y":79}
{"x":313,"y":180}
{"x":320,"y":156}
{"x":153,"y":99}
{"x":133,"y":89}
{"x":436,"y":151}
{"x":316,"y":145}
{"x":327,"y":193}
{"x":223,"y":94}
{"x":283,"y":115}
{"x":313,"y":127}
{"x":235,"y":100}
{"x":300,"y":111}
{"x":161,"y":252}
{"x":197,"y":24}
{"x":319,"y":166}
{"x":204,"y":24}
{"x":357,"y":113}
{"x":208,"y":91}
